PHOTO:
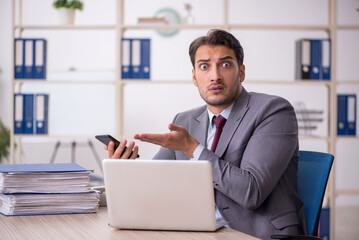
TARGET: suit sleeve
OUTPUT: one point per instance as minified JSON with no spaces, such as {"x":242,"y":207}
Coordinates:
{"x":264,"y":157}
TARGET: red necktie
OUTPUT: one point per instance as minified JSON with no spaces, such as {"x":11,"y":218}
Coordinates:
{"x":219,"y":121}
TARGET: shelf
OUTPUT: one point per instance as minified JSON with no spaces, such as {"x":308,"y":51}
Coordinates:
{"x":55,"y":138}
{"x":144,"y":81}
{"x":342,"y":137}
{"x":47,"y":136}
{"x":346,"y":192}
{"x":73,"y":77}
{"x":348,"y":27}
{"x":237,"y":26}
{"x":32,"y":81}
{"x":189,"y":81}
{"x":279,"y":27}
{"x":229,"y":26}
{"x":295,"y":82}
{"x":302,"y":137}
{"x":65,"y":27}
{"x":347,"y":82}
{"x":169,"y":26}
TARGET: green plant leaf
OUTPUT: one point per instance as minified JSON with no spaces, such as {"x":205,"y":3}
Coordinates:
{"x":4,"y":141}
{"x":70,"y":4}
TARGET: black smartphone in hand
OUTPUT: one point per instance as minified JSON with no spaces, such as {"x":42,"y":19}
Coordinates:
{"x":105,"y":139}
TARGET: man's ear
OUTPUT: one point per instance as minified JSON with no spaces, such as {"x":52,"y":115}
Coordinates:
{"x":194,"y":78}
{"x":242,"y":72}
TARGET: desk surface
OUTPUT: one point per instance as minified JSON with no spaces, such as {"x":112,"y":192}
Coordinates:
{"x":94,"y":226}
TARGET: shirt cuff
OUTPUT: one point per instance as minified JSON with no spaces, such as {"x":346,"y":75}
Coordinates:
{"x":197,"y":152}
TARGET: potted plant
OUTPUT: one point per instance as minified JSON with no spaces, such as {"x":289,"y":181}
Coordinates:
{"x":4,"y":142}
{"x":66,"y":9}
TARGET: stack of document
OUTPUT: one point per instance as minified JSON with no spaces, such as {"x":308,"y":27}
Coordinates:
{"x":28,"y":189}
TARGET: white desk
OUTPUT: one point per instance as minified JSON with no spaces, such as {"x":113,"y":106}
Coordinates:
{"x":94,"y":226}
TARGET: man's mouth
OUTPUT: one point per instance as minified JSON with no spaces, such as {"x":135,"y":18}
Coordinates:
{"x":216,"y":88}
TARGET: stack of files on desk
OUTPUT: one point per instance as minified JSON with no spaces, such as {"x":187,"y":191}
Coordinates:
{"x":59,"y":188}
{"x":313,"y":59}
{"x":31,"y":113}
{"x":30,"y":58}
{"x":135,"y":58}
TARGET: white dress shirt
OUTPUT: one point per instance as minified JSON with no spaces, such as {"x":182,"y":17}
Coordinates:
{"x":210,"y":135}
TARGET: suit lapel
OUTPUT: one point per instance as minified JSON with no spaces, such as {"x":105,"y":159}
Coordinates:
{"x":240,"y":108}
{"x":199,"y":128}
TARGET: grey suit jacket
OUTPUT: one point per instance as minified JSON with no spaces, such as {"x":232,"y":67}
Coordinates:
{"x":254,"y":166}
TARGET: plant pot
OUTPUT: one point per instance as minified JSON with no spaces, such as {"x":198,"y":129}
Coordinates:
{"x":67,"y":16}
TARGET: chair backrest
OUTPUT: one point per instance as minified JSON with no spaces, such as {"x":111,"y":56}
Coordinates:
{"x":312,"y":177}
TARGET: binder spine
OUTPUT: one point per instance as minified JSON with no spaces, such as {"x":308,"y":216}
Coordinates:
{"x":41,"y":113}
{"x":304,"y":66}
{"x":324,"y":224}
{"x":29,"y":58}
{"x":18,"y":113}
{"x":346,"y":115}
{"x":126,"y":70}
{"x":40,"y":48}
{"x":326,"y":59}
{"x":351,"y":127}
{"x":315,"y":59}
{"x":28,"y":113}
{"x":19,"y":54}
{"x":145,"y":59}
{"x":136,"y":58}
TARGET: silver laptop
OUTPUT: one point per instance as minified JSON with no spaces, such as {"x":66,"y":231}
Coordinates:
{"x":160,"y":195}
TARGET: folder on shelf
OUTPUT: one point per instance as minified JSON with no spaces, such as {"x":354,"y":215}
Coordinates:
{"x":315,"y":58}
{"x":39,"y":67}
{"x":303,"y":59}
{"x":19,"y":54}
{"x":18,"y":114}
{"x":140,"y":58}
{"x":126,"y":58}
{"x":41,"y":115}
{"x":136,"y":58}
{"x":324,"y":223}
{"x":29,"y":58}
{"x":145,"y":58}
{"x":28,"y":114}
{"x":346,"y":114}
{"x":326,"y":59}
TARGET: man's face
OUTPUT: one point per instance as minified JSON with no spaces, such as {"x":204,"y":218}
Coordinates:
{"x":217,"y":76}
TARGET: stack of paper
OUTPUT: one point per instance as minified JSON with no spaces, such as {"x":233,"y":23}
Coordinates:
{"x":28,"y":189}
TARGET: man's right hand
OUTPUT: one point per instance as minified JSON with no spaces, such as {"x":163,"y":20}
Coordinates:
{"x":116,"y":154}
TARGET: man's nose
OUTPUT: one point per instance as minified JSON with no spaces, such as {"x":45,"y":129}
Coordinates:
{"x":216,"y":74}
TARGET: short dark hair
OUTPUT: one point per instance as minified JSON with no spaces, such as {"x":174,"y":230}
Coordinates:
{"x":217,"y":37}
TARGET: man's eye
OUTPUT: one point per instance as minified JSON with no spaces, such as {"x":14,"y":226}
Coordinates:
{"x":203,"y":66}
{"x":226,"y":65}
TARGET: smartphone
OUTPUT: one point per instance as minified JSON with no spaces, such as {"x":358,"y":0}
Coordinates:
{"x":105,"y":139}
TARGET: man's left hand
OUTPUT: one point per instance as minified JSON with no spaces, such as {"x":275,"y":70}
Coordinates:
{"x":178,"y":139}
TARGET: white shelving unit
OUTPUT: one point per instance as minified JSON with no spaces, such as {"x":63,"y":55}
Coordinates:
{"x":331,"y":28}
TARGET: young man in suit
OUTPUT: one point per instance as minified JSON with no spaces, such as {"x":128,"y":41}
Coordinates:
{"x":255,"y":160}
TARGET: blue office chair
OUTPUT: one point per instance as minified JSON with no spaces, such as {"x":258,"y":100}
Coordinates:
{"x":312,"y":178}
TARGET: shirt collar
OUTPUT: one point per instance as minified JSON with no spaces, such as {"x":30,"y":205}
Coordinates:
{"x":225,"y":113}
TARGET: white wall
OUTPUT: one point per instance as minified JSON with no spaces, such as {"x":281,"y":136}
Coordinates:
{"x":87,"y":110}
